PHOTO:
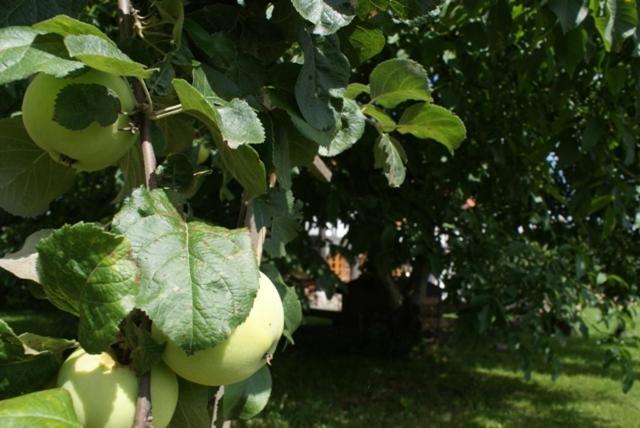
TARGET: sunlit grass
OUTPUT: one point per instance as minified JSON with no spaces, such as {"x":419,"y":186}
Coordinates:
{"x":317,"y":387}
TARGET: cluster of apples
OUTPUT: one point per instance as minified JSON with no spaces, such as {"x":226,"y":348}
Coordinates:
{"x":104,"y":392}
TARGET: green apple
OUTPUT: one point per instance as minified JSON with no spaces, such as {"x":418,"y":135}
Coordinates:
{"x":104,"y":392}
{"x":241,"y":354}
{"x":90,"y":149}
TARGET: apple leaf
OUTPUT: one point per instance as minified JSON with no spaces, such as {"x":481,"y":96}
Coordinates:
{"x":26,"y":12}
{"x":570,"y":13}
{"x":365,"y":43}
{"x":88,"y":272}
{"x":350,"y":129}
{"x":398,"y":80}
{"x":290,"y":301}
{"x":243,"y":163}
{"x":132,"y":171}
{"x":25,"y":52}
{"x":245,"y":166}
{"x":29,"y":178}
{"x":28,"y":362}
{"x":246,"y":399}
{"x":236,"y":120}
{"x":325,"y":74}
{"x":390,"y":157}
{"x":240,"y":124}
{"x":104,"y":55}
{"x":64,"y":25}
{"x":277,"y":211}
{"x":327,"y":16}
{"x":431,"y":121}
{"x":10,"y":345}
{"x":355,"y":89}
{"x":386,"y":122}
{"x":284,"y":101}
{"x":197,"y":281}
{"x":145,"y":351}
{"x":51,"y":408}
{"x":23,"y":263}
{"x":192,"y":408}
{"x":79,"y":105}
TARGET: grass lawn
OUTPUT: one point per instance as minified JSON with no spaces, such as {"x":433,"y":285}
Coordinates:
{"x":316,"y":387}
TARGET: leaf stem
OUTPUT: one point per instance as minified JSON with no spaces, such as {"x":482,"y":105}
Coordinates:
{"x":166,"y":112}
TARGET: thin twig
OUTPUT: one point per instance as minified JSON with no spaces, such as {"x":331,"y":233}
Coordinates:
{"x":216,"y":405}
{"x":165,"y":112}
{"x":143,"y":415}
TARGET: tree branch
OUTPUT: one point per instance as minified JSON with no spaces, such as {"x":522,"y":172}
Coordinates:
{"x":126,"y":19}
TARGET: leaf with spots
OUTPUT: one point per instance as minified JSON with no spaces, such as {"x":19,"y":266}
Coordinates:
{"x":88,"y":272}
{"x":197,"y":281}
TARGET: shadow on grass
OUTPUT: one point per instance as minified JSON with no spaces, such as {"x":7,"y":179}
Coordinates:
{"x":318,"y":385}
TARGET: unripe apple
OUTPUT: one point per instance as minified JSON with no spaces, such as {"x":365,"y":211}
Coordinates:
{"x":104,"y":392}
{"x":89,"y":149}
{"x":241,"y":354}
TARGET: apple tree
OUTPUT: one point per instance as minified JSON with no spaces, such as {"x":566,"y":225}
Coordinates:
{"x":193,"y":130}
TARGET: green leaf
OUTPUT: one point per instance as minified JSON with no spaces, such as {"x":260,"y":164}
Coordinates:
{"x":599,"y":202}
{"x":245,"y":166}
{"x":132,"y":170}
{"x":192,"y":408}
{"x":288,"y":147}
{"x":23,"y":263}
{"x":28,"y":362}
{"x":11,"y":348}
{"x":327,"y":16}
{"x":282,"y":100}
{"x":570,"y":13}
{"x":351,"y":128}
{"x":355,"y":89}
{"x":172,"y":11}
{"x":145,"y":351}
{"x":243,"y":163}
{"x":79,"y":105}
{"x":435,"y":122}
{"x":246,"y":399}
{"x":366,"y":42}
{"x":176,"y":172}
{"x":398,"y":80}
{"x":390,"y":157}
{"x":27,"y":12}
{"x":386,"y":122}
{"x":618,"y":23}
{"x":325,"y":74}
{"x":195,"y":103}
{"x":24,"y":52}
{"x":197,"y":281}
{"x":178,"y":132}
{"x":29,"y":178}
{"x":104,"y":55}
{"x":51,"y":408}
{"x":34,"y":344}
{"x":277,"y":211}
{"x":240,"y":124}
{"x":88,"y":272}
{"x":278,"y":135}
{"x":64,"y":25}
{"x":290,"y":301}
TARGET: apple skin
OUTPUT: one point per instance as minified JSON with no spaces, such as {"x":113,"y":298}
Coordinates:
{"x":104,"y":392}
{"x":94,"y":147}
{"x":241,"y":354}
